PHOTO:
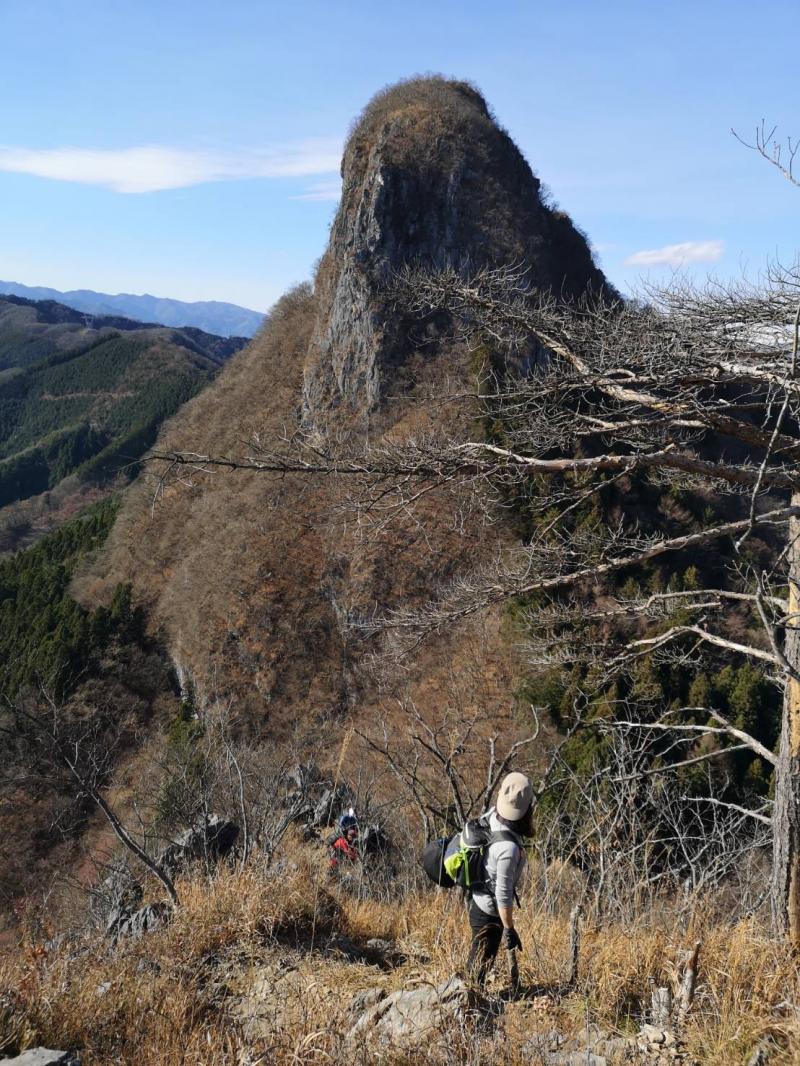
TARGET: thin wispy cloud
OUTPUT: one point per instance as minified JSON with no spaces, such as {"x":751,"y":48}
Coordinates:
{"x":678,"y":255}
{"x":153,"y":168}
{"x":322,"y":190}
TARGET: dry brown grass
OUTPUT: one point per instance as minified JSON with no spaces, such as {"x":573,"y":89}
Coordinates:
{"x":250,"y":964}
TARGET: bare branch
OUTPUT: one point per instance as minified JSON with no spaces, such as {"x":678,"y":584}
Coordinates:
{"x":671,"y":768}
{"x":772,"y":150}
{"x":709,"y":638}
{"x":757,"y":815}
{"x":724,"y":728}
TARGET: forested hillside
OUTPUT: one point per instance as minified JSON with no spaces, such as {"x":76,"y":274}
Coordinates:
{"x":45,"y":636}
{"x":83,"y":402}
{"x":96,"y":666}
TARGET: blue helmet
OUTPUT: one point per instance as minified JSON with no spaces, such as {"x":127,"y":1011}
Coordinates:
{"x":348,"y":821}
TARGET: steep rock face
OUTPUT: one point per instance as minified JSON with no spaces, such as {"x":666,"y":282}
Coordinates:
{"x":250,"y":578}
{"x":428,"y":177}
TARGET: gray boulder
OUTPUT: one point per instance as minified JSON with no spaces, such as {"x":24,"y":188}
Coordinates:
{"x":211,"y":839}
{"x":365,"y":999}
{"x":42,"y":1056}
{"x":315,"y":800}
{"x":592,"y":1047}
{"x":408,"y":1019}
{"x":122,"y":923}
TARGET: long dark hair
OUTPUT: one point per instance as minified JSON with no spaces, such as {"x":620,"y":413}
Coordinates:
{"x":523,"y":825}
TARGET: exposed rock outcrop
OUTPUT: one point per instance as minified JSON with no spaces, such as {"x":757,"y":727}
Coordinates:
{"x":595,"y":1047}
{"x":315,"y":800}
{"x":211,"y":840}
{"x":124,"y":924}
{"x":410,"y":1018}
{"x":428,"y":177}
{"x":42,"y":1056}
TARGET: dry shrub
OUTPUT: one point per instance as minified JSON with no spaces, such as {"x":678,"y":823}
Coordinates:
{"x":615,"y":968}
{"x":460,"y":101}
{"x":153,"y":1000}
{"x":745,"y":977}
{"x":287,"y":901}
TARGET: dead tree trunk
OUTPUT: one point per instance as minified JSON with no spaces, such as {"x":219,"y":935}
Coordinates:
{"x":786,"y":816}
{"x":574,"y":945}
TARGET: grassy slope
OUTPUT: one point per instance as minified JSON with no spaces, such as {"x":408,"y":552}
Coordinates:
{"x":249,"y":966}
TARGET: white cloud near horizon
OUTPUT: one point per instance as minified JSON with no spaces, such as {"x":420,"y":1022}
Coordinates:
{"x":678,"y":255}
{"x":154,"y":168}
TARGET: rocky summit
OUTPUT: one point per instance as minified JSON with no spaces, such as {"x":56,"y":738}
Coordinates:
{"x":428,"y":177}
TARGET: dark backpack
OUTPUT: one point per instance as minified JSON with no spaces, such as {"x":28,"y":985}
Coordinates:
{"x":460,"y":860}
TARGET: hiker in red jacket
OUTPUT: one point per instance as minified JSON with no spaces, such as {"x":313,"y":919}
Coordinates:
{"x":342,"y":845}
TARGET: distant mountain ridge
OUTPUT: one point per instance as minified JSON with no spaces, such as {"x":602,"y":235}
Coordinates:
{"x":212,"y":316}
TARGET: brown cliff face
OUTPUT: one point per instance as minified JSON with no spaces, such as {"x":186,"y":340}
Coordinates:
{"x":428,"y":177}
{"x":250,"y":579}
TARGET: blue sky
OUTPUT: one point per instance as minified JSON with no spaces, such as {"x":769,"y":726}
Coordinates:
{"x":189,"y":148}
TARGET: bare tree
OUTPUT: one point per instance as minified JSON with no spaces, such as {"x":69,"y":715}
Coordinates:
{"x":638,"y":837}
{"x":448,"y":770}
{"x":664,"y":388}
{"x":696,"y":387}
{"x":86,"y":755}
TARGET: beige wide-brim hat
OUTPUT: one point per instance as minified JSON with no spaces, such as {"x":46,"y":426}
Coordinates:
{"x":514,"y":797}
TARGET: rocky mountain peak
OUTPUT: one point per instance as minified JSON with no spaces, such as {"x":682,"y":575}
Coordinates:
{"x":250,"y":581}
{"x":430,"y":177}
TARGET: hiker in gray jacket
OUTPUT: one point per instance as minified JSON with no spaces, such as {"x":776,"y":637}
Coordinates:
{"x":491,"y":905}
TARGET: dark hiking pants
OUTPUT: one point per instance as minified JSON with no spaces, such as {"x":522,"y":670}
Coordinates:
{"x":487,"y":932}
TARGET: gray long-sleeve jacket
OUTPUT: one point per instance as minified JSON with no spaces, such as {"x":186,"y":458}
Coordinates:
{"x":505,"y":865}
